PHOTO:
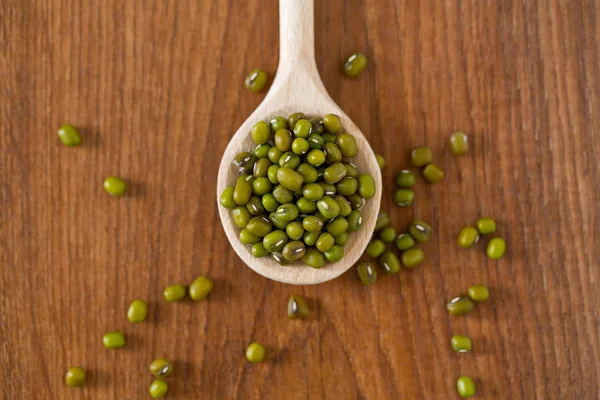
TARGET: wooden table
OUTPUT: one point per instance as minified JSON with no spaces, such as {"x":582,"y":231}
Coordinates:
{"x":156,"y":88}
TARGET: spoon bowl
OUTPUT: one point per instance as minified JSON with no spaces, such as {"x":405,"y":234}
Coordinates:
{"x":298,"y":88}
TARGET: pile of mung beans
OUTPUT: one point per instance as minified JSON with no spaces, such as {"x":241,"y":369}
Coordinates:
{"x":299,"y":195}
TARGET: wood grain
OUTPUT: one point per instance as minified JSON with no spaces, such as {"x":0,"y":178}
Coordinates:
{"x":156,"y":87}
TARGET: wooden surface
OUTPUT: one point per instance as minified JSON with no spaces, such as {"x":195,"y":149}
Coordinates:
{"x":157,"y":89}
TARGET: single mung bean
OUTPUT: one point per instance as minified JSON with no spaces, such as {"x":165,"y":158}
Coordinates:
{"x":459,"y":143}
{"x":303,"y":128}
{"x":278,"y":123}
{"x":366,"y":273}
{"x":115,"y":186}
{"x":269,"y":202}
{"x":279,"y":258}
{"x":334,"y":254}
{"x":244,"y":162}
{"x":388,"y":234}
{"x":261,"y":186}
{"x":261,"y":167}
{"x":310,"y":238}
{"x":329,"y":137}
{"x":75,"y":377}
{"x":355,"y":64}
{"x":334,"y":173}
{"x":316,"y":157}
{"x":486,"y":226}
{"x":201,"y":287}
{"x":345,"y":207}
{"x":351,"y":170}
{"x":317,"y":126}
{"x":376,"y":248}
{"x":293,"y":250}
{"x":496,"y":248}
{"x":313,"y":191}
{"x":246,"y":178}
{"x":347,"y":145}
{"x":332,"y":123}
{"x":328,"y":207}
{"x":420,"y":231}
{"x":366,"y":186}
{"x":315,"y":141}
{"x":283,"y":140}
{"x":432,"y":173}
{"x":261,"y":132}
{"x":421,"y":156}
{"x":405,"y":179}
{"x":354,"y":221}
{"x":380,"y":160}
{"x":329,"y":188}
{"x":389,"y":262}
{"x":383,"y":221}
{"x":137,"y":311}
{"x":275,"y":241}
{"x":255,"y":352}
{"x":297,"y":307}
{"x":255,"y":206}
{"x":289,"y":178}
{"x":161,"y":368}
{"x":68,"y":135}
{"x":460,"y":305}
{"x":404,"y":242}
{"x":282,"y":195}
{"x":256,"y":80}
{"x":310,"y":223}
{"x":262,"y":150}
{"x":465,"y":386}
{"x":404,"y":197}
{"x":248,"y":238}
{"x":287,"y":212}
{"x":325,"y":242}
{"x":347,"y":186}
{"x":412,"y":257}
{"x":294,"y":118}
{"x":479,"y":293}
{"x":242,"y":192}
{"x":332,"y":153}
{"x":356,"y":201}
{"x":113,"y":340}
{"x":342,"y":239}
{"x":226,"y":198}
{"x":276,"y":222}
{"x":294,"y":230}
{"x":241,"y":216}
{"x":314,"y":258}
{"x":158,"y":389}
{"x":306,"y":206}
{"x":337,"y":226}
{"x":308,"y":172}
{"x":461,"y":344}
{"x":300,"y":146}
{"x":174,"y":293}
{"x":467,"y":237}
{"x":274,"y":155}
{"x":289,"y":160}
{"x":258,"y":250}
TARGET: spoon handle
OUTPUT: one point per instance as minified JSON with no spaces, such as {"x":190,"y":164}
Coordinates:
{"x":296,"y":39}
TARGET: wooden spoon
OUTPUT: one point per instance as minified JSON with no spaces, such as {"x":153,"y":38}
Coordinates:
{"x":297,"y":87}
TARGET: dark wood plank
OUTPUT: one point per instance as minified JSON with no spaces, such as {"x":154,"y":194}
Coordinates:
{"x":156,"y":87}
